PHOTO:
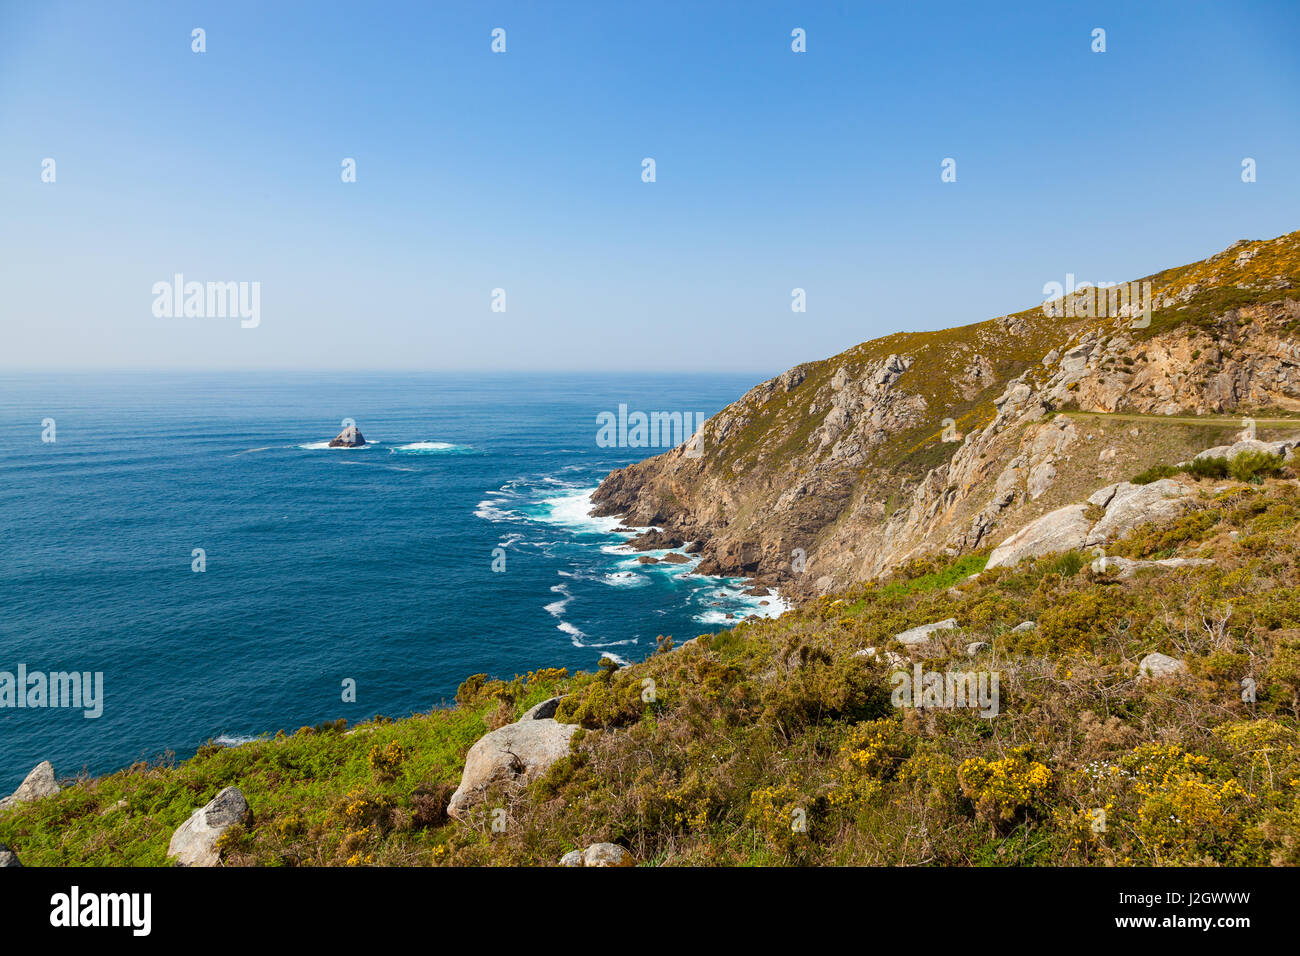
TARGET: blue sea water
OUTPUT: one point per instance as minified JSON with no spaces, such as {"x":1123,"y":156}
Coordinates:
{"x":322,"y":564}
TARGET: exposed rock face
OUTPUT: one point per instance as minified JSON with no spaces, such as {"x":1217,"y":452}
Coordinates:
{"x":917,"y":443}
{"x":8,"y":857}
{"x":350,"y":437}
{"x":1062,"y":530}
{"x":1125,"y":507}
{"x":39,"y":783}
{"x":598,"y":854}
{"x":1160,"y":666}
{"x":195,"y":841}
{"x":513,"y":755}
{"x":1130,"y":506}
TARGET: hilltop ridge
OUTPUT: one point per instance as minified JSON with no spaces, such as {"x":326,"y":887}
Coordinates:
{"x":939,"y":442}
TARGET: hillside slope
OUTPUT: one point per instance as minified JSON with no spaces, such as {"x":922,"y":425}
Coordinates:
{"x":851,"y":460}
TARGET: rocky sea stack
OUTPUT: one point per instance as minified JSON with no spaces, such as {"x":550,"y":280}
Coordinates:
{"x":350,"y":437}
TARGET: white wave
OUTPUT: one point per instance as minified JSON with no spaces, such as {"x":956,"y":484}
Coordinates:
{"x":325,"y":445}
{"x":731,"y":598}
{"x":573,"y":510}
{"x":427,"y":447}
{"x":234,"y":740}
{"x":489,"y":510}
{"x":575,"y":634}
{"x":715,"y":616}
{"x":556,"y":608}
{"x":626,"y":579}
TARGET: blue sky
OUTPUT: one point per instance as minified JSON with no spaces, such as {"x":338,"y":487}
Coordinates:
{"x":522,"y":171}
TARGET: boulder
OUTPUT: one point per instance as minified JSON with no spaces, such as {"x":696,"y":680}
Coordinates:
{"x":974,"y":649}
{"x":1129,"y":506}
{"x":672,"y":557}
{"x":916,"y":636}
{"x":543,"y":711}
{"x":195,"y":841}
{"x":350,"y":437}
{"x":39,"y":783}
{"x":1024,"y":626}
{"x":1286,"y":448}
{"x":598,"y":854}
{"x":513,"y":755}
{"x":1159,"y":666}
{"x":8,"y":857}
{"x":1064,"y":529}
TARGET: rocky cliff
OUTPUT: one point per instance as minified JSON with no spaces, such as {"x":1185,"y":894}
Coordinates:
{"x":839,"y":470}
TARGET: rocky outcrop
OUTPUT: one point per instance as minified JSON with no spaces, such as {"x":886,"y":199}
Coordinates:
{"x":944,"y":442}
{"x":1130,"y":506}
{"x":1160,"y":667}
{"x":1065,"y":529}
{"x":350,"y":437}
{"x":195,"y":841}
{"x":8,"y":857}
{"x":599,"y":854}
{"x":37,"y":784}
{"x":1123,"y":507}
{"x":512,"y":756}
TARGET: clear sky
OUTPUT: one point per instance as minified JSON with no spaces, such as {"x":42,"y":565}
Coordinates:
{"x":523,"y":171}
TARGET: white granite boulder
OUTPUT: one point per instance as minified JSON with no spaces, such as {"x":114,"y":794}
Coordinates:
{"x":598,"y":854}
{"x":513,"y":755}
{"x":1160,"y":666}
{"x":37,"y":784}
{"x":1064,"y":529}
{"x":1129,"y":506}
{"x":916,"y":636}
{"x":195,"y":841}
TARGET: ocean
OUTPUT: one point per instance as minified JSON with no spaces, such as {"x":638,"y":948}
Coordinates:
{"x":319,"y":565}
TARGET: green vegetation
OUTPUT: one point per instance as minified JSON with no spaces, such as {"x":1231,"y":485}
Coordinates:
{"x":775,"y":743}
{"x":1252,"y":466}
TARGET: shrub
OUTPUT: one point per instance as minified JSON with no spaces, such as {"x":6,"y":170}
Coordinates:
{"x":1003,"y":790}
{"x":870,"y":755}
{"x":1255,"y":466}
{"x":386,"y":762}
